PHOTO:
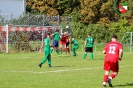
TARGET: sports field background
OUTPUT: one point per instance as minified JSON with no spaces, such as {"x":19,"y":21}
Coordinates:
{"x":20,"y":70}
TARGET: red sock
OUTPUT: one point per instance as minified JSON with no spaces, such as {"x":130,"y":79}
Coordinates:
{"x":105,"y":78}
{"x":112,"y":76}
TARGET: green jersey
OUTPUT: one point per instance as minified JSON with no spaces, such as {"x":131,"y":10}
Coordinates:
{"x":56,"y":36}
{"x":47,"y":44}
{"x":75,"y":43}
{"x":89,"y":41}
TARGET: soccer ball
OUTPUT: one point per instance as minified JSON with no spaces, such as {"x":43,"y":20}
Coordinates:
{"x":67,"y":26}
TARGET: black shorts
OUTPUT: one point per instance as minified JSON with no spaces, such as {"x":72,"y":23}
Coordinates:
{"x":55,"y":43}
{"x":89,"y":49}
{"x":67,"y":44}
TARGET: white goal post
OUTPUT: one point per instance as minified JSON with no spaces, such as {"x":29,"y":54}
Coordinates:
{"x":22,"y":37}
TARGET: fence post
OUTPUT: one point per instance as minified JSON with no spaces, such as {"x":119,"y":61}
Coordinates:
{"x":28,"y":19}
{"x":71,"y":30}
{"x":95,"y":47}
{"x":131,"y":42}
{"x":6,"y":38}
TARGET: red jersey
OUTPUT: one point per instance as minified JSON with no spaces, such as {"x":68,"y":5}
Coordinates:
{"x":67,"y":37}
{"x":112,"y":51}
{"x":63,"y":39}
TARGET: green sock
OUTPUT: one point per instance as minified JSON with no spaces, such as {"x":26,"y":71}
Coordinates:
{"x":51,"y":50}
{"x":57,"y":51}
{"x":73,"y":52}
{"x":85,"y":54}
{"x":91,"y":55}
{"x":49,"y":61}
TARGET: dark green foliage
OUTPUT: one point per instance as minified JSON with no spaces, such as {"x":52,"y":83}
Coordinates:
{"x":100,"y":32}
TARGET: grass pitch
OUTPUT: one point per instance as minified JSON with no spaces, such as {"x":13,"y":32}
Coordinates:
{"x":21,"y":70}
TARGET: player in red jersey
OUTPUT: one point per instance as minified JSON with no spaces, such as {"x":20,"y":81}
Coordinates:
{"x":67,"y":42}
{"x":62,"y":42}
{"x":113,"y":53}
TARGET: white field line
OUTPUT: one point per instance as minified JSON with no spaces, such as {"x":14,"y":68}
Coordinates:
{"x":19,"y":58}
{"x":57,"y":71}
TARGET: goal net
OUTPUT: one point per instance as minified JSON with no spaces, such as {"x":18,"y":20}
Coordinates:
{"x":21,"y":38}
{"x":127,"y":41}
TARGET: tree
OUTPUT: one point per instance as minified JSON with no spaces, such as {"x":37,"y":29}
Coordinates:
{"x":90,"y":10}
{"x":41,"y":7}
{"x":51,"y":7}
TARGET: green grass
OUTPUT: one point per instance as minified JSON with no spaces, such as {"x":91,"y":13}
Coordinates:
{"x":20,"y":70}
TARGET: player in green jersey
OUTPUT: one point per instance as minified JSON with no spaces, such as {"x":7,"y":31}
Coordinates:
{"x":56,"y":41}
{"x":75,"y":46}
{"x":46,"y":45}
{"x":88,"y":45}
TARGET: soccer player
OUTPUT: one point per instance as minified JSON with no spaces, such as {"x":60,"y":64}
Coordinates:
{"x":113,"y":53}
{"x":62,"y":42}
{"x":67,"y":42}
{"x":88,"y":45}
{"x":75,"y":46}
{"x":56,"y":41}
{"x":46,"y":45}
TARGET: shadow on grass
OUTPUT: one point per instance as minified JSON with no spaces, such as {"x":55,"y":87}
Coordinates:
{"x":123,"y":85}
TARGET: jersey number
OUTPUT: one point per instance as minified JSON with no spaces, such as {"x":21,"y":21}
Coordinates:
{"x":90,"y":40}
{"x":112,"y":49}
{"x":45,"y":43}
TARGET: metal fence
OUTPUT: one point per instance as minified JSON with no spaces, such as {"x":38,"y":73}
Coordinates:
{"x":31,"y":19}
{"x":38,"y":20}
{"x":17,"y":34}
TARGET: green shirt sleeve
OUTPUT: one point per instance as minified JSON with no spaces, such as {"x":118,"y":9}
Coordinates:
{"x":56,"y":36}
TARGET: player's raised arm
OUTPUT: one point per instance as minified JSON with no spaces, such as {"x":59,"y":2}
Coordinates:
{"x":52,"y":34}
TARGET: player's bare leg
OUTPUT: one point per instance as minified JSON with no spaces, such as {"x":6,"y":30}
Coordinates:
{"x":68,"y":50}
{"x":60,"y":48}
{"x":65,"y":48}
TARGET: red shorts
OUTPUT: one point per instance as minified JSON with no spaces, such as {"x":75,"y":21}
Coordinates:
{"x":62,"y":43}
{"x":114,"y":66}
